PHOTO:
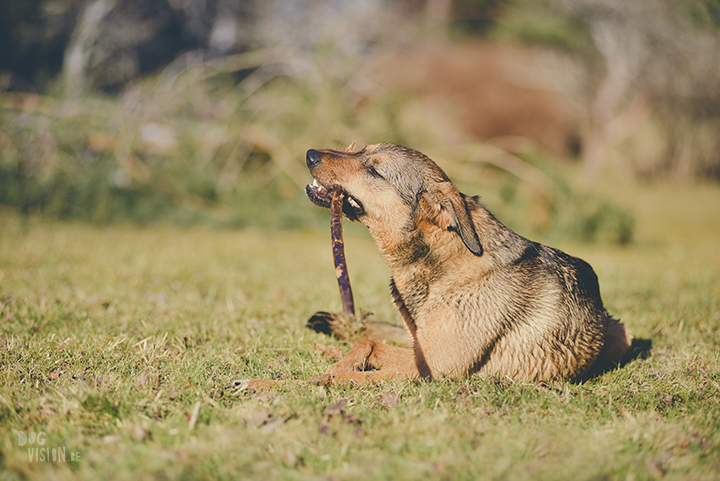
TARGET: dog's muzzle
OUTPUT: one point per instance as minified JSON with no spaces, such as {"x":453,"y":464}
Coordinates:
{"x":322,"y":195}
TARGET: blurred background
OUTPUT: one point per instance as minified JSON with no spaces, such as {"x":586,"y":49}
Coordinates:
{"x":201,"y":111}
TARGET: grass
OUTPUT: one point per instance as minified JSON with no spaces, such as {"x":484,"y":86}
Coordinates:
{"x":121,"y":344}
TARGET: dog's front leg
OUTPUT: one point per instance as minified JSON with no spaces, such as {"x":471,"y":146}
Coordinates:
{"x":371,"y":362}
{"x":260,"y":384}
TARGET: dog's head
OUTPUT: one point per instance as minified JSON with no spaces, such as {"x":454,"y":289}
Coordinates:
{"x":393,"y":190}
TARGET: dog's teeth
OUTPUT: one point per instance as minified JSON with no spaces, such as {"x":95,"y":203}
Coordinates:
{"x":319,"y":187}
{"x":353,"y":203}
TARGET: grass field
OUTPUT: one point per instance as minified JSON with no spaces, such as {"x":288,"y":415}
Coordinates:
{"x":119,"y":347}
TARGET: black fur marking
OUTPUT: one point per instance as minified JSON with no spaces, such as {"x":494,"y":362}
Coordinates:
{"x":415,"y":251}
{"x":417,"y":295}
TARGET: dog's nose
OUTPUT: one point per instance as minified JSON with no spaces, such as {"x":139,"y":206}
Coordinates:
{"x":313,"y":158}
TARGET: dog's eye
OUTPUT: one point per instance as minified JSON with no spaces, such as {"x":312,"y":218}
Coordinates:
{"x":373,"y":171}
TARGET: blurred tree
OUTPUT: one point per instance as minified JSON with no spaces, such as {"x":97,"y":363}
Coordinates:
{"x":476,"y":16}
{"x":105,"y":43}
{"x":656,"y":59}
{"x":660,"y":56}
{"x":33,"y":35}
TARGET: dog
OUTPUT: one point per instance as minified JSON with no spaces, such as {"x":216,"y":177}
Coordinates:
{"x":475,"y":297}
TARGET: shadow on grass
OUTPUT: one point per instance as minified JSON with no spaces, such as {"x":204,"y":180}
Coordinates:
{"x":639,"y":349}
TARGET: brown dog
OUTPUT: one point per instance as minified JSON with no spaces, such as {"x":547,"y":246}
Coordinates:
{"x":475,"y":296}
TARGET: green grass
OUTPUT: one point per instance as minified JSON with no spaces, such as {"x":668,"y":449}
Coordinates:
{"x":122,"y":344}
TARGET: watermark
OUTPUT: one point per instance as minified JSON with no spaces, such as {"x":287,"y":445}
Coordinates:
{"x":38,"y":452}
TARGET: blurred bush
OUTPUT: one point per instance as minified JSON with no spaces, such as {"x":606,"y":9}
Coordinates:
{"x":646,"y":73}
{"x":191,"y":144}
{"x":650,"y":77}
{"x":222,"y":142}
{"x":219,"y":138}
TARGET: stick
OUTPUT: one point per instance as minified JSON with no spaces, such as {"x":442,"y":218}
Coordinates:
{"x":338,"y":247}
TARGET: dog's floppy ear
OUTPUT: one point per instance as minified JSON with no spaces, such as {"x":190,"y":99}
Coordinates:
{"x":450,"y":212}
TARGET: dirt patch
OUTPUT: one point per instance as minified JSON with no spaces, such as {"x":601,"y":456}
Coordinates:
{"x":489,"y":90}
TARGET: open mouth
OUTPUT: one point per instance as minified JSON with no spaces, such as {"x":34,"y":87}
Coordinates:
{"x":322,"y":196}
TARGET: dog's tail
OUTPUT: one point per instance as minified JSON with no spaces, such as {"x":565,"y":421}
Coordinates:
{"x":618,"y":340}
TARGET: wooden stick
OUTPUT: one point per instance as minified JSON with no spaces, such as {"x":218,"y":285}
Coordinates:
{"x":338,"y":246}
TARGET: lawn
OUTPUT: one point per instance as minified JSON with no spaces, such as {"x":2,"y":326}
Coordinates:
{"x":119,"y":348}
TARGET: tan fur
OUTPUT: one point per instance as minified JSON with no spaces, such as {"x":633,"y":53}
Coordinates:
{"x":475,"y":297}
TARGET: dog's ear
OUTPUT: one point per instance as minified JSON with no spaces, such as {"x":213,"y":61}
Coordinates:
{"x":449,"y":211}
{"x":350,"y":148}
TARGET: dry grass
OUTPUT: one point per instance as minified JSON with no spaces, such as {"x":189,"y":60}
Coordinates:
{"x":122,"y":345}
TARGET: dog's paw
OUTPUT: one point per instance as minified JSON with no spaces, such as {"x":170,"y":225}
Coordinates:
{"x":329,"y":351}
{"x":322,"y":322}
{"x":324,"y":379}
{"x":357,"y":378}
{"x":254,"y":384}
{"x":344,"y":328}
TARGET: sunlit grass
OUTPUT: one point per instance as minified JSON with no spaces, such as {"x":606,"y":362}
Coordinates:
{"x":122,"y":345}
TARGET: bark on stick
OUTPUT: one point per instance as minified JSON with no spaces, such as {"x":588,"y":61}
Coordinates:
{"x":338,"y":246}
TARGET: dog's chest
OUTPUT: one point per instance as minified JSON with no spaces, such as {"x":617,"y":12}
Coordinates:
{"x":412,"y":292}
{"x":419,"y":289}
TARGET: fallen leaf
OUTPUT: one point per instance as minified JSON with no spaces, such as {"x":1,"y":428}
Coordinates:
{"x":138,"y":433}
{"x":330,"y":352}
{"x":324,"y":429}
{"x":272,"y":425}
{"x":335,"y":408}
{"x":291,"y":459}
{"x":260,"y":418}
{"x":112,"y":438}
{"x":389,"y":400}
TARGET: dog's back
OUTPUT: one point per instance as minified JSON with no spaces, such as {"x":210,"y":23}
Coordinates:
{"x":535,"y":312}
